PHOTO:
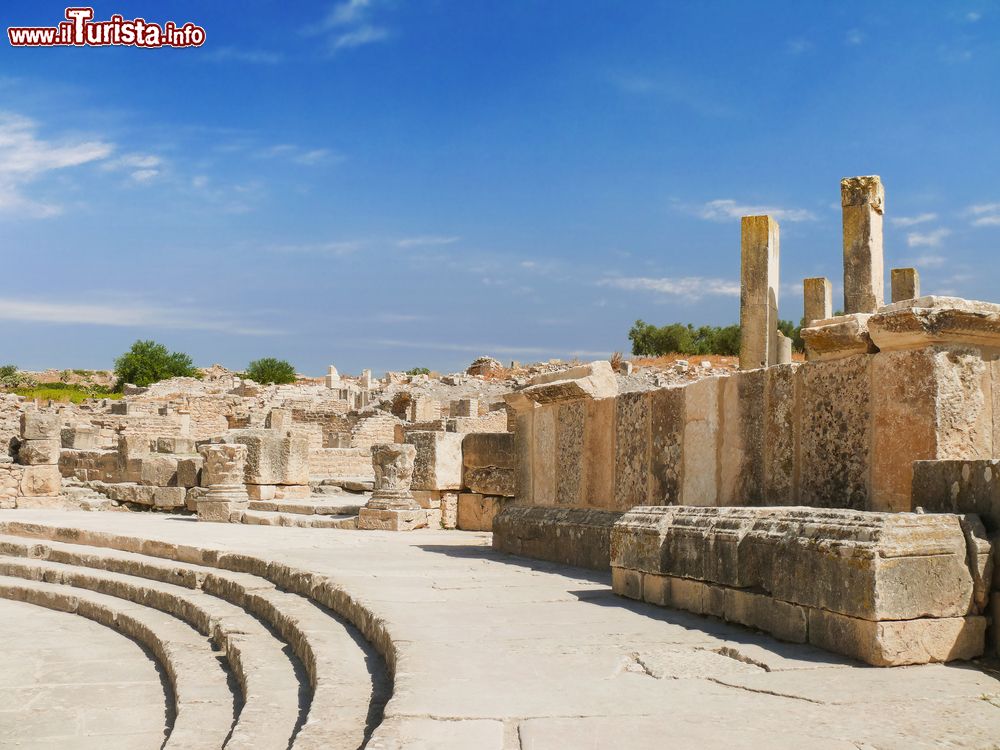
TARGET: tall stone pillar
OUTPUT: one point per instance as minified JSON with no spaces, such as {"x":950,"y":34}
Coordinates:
{"x":863,"y":202}
{"x":392,"y":507}
{"x":817,"y":296}
{"x":905,"y":283}
{"x":222,"y":473}
{"x":758,"y":292}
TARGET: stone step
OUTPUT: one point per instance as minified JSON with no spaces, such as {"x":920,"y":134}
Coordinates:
{"x":269,"y":518}
{"x":205,"y":706}
{"x":337,"y":664}
{"x":319,"y":507}
{"x":265,"y":673}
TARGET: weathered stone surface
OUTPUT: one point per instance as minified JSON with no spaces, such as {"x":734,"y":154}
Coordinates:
{"x":37,"y":425}
{"x":817,"y":299}
{"x":524,"y":449}
{"x":175,"y":444}
{"x":781,"y":436}
{"x":701,"y":437}
{"x":759,"y":285}
{"x":666,"y":417}
{"x":595,"y":380}
{"x":838,"y":337}
{"x":41,"y":481}
{"x":863,"y":203}
{"x":599,"y":435}
{"x":959,"y":486}
{"x":482,"y":449}
{"x":905,"y":283}
{"x":569,"y":451}
{"x":274,"y":457}
{"x":189,"y":471}
{"x":38,"y":452}
{"x":741,"y":434}
{"x":80,"y":437}
{"x":378,"y":519}
{"x":159,"y":471}
{"x":936,"y":320}
{"x":543,"y":460}
{"x":438,"y":462}
{"x":223,"y":464}
{"x":476,"y":512}
{"x":572,"y":536}
{"x":836,"y":415}
{"x":632,"y":425}
{"x":491,"y":480}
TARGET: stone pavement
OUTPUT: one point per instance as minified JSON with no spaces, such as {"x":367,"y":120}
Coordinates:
{"x":497,"y":652}
{"x":67,"y":682}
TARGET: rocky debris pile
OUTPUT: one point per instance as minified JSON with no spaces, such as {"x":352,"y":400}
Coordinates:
{"x":485,"y":366}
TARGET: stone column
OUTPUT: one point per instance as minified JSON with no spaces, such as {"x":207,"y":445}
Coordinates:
{"x":392,"y":507}
{"x":784,"y":349}
{"x":905,"y":284}
{"x":222,"y":473}
{"x":759,"y":292}
{"x":863,"y":201}
{"x":39,"y":453}
{"x":818,"y":299}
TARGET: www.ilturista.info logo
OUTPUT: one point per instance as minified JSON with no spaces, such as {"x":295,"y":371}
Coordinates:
{"x":80,"y":30}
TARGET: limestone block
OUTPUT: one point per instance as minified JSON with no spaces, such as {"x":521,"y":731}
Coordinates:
{"x":701,"y":441}
{"x":632,"y":443}
{"x":37,"y":425}
{"x":217,"y":511}
{"x":759,"y":286}
{"x":905,"y":283}
{"x":427,"y":499}
{"x":781,"y":436}
{"x":838,"y":337}
{"x":836,"y":423}
{"x":570,"y":419}
{"x":900,"y":642}
{"x":524,"y":449}
{"x":159,"y":471}
{"x":476,"y":512}
{"x":438,"y":462}
{"x":175,"y":444}
{"x":572,"y":536}
{"x":377,"y":519}
{"x":491,"y":480}
{"x":666,"y":417}
{"x":449,"y":510}
{"x":41,"y":481}
{"x":818,"y":299}
{"x":39,"y":452}
{"x":81,"y":438}
{"x":599,"y":449}
{"x":741,"y":470}
{"x":627,"y":583}
{"x":863,"y":203}
{"x":936,"y":320}
{"x":957,"y":486}
{"x":274,"y":457}
{"x":595,"y":380}
{"x":291,"y":491}
{"x":488,"y":461}
{"x":169,"y":497}
{"x":979,"y":558}
{"x":787,"y":622}
{"x":637,"y":538}
{"x":544,"y":456}
{"x":189,"y":471}
{"x":134,"y":446}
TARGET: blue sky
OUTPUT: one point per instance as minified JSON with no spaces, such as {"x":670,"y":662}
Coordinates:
{"x":392,"y":184}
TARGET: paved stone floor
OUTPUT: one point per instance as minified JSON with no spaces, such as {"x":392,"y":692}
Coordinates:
{"x":67,"y":682}
{"x":506,"y":653}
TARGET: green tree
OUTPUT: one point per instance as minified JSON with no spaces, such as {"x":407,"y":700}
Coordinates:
{"x":418,"y":371}
{"x":271,"y":371}
{"x":148,"y":362}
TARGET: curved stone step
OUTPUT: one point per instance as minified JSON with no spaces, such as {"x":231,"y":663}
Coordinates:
{"x":313,"y":521}
{"x":271,"y":690}
{"x":204,"y":704}
{"x":346,"y":698}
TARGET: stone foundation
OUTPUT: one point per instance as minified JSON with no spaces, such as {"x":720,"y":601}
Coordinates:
{"x":574,"y":536}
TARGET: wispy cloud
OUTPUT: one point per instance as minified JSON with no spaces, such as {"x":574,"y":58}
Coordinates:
{"x":927,"y":239}
{"x":24,"y":157}
{"x":691,"y":93}
{"x":488,"y":348}
{"x":142,"y":168}
{"x":127,"y":315}
{"x":687,"y":287}
{"x":984,"y":214}
{"x":298,"y":155}
{"x":912,"y":221}
{"x":854,"y":37}
{"x":427,"y":241}
{"x":349,"y":25}
{"x":725,"y":209}
{"x":926,"y":261}
{"x":798,"y":46}
{"x":251,"y":56}
{"x":336,"y":249}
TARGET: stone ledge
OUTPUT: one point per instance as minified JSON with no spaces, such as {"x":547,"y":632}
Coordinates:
{"x":838,"y":337}
{"x":930,"y":320}
{"x":574,"y":536}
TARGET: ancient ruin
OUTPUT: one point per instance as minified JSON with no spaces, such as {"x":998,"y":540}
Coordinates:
{"x":839,"y":511}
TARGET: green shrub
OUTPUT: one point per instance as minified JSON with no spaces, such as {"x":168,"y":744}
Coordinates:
{"x":148,"y":362}
{"x":418,"y":371}
{"x":63,"y":392}
{"x":269,"y":370}
{"x":652,"y":341}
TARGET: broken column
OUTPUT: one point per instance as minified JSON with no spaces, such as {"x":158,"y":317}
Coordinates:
{"x":817,"y":296}
{"x":392,"y":507}
{"x":222,"y":472}
{"x":759,"y":292}
{"x":333,"y":378}
{"x":39,"y":453}
{"x":905,"y":284}
{"x":784,"y":349}
{"x":863,"y":202}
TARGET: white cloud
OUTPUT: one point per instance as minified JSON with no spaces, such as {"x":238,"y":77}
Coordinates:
{"x":125,"y":315}
{"x":252,"y":56}
{"x":973,"y":16}
{"x":798,"y":46}
{"x":688,"y":287}
{"x":912,"y":221}
{"x":427,"y":241}
{"x":926,"y":261}
{"x":854,"y":37}
{"x":142,"y":168}
{"x":24,"y":157}
{"x":927,"y":239}
{"x":984,"y":214}
{"x":336,"y":249}
{"x":348,"y":25}
{"x":297,"y":154}
{"x":725,"y":209}
{"x":488,"y":348}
